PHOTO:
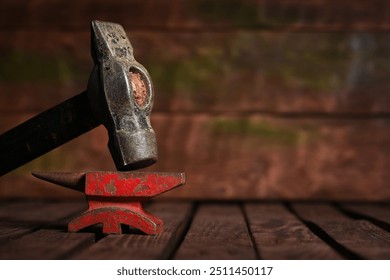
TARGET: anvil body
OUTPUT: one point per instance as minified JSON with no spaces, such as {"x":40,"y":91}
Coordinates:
{"x":115,"y":198}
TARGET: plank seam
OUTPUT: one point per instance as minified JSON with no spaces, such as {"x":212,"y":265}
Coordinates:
{"x":18,"y":236}
{"x":281,"y":115}
{"x":253,"y":241}
{"x":359,"y":216}
{"x":85,"y":244}
{"x":186,"y":227}
{"x":338,"y":28}
{"x":324,"y":236}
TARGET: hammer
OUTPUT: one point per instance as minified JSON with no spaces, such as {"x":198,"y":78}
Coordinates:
{"x":119,"y":95}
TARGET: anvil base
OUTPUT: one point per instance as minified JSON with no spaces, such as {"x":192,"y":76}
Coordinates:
{"x":112,"y":214}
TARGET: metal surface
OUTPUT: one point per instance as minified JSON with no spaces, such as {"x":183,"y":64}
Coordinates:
{"x":121,"y":92}
{"x":119,"y":95}
{"x":114,"y":198}
{"x":70,"y":180}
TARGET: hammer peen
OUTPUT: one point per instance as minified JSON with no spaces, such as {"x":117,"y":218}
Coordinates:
{"x":119,"y":95}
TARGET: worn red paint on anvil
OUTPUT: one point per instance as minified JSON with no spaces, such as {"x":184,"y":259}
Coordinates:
{"x":130,"y":184}
{"x":114,"y":198}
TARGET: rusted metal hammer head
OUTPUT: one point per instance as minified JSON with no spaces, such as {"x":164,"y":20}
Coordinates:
{"x":121,"y":92}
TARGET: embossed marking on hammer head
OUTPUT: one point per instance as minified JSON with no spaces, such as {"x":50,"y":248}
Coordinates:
{"x":123,"y":91}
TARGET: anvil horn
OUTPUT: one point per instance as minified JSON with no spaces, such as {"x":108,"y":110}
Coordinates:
{"x":70,"y":180}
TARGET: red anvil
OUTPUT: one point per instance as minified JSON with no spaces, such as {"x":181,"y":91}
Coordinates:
{"x":114,"y":198}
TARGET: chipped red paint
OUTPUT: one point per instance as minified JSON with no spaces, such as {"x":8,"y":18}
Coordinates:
{"x":112,"y":214}
{"x":131,"y":184}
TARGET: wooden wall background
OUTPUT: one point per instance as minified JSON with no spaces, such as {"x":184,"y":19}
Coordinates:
{"x":254,"y":99}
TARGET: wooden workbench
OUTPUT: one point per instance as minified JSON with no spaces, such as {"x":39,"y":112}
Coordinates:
{"x":203,"y":230}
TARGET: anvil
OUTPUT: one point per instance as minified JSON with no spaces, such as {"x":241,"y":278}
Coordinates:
{"x":114,"y":198}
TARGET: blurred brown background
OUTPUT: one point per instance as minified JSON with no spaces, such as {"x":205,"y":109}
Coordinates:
{"x":254,"y":99}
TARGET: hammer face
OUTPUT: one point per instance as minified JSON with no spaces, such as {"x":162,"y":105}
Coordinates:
{"x":122,"y":93}
{"x":133,"y":150}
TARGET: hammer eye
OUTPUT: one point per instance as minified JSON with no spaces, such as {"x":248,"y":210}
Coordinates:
{"x":139,"y":86}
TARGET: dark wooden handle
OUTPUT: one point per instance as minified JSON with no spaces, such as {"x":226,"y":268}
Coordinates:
{"x":45,"y":132}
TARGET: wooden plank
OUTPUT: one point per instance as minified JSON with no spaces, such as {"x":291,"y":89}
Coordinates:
{"x":263,"y":72}
{"x":218,"y":231}
{"x":257,"y":157}
{"x":201,"y":14}
{"x":135,"y":13}
{"x":23,"y":217}
{"x":138,"y":246}
{"x":50,"y":242}
{"x":280,"y":235}
{"x":376,"y":212}
{"x":358,"y":236}
{"x":242,"y":157}
{"x":229,"y":71}
{"x":15,"y":219}
{"x":46,"y":96}
{"x":46,"y":244}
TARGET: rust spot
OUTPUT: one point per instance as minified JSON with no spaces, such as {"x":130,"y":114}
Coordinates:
{"x":141,"y":188}
{"x":110,"y":188}
{"x":139,"y":88}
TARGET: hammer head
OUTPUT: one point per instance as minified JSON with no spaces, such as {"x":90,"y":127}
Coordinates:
{"x":121,"y":94}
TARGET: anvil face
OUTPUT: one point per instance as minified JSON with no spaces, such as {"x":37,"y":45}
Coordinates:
{"x":131,"y":184}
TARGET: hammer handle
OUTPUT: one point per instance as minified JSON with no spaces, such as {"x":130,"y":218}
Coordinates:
{"x":45,"y":132}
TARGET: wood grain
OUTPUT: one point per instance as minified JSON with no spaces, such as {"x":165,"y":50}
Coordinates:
{"x":199,"y":14}
{"x":273,"y":158}
{"x":218,"y":231}
{"x":380,"y":213}
{"x":139,"y":246}
{"x":23,"y":217}
{"x":51,"y":241}
{"x":358,"y":236}
{"x":229,"y":71}
{"x":280,"y":235}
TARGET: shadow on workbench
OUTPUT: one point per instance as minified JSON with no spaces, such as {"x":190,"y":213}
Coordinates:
{"x":204,"y":230}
